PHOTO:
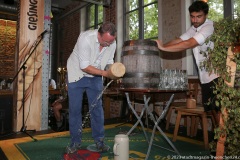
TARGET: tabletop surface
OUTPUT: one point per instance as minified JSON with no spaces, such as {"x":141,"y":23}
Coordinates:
{"x":6,"y":92}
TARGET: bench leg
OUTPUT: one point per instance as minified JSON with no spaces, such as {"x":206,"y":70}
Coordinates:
{"x":205,"y":130}
{"x":178,"y":119}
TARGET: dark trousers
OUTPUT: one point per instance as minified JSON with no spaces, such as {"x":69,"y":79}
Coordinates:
{"x":208,"y":97}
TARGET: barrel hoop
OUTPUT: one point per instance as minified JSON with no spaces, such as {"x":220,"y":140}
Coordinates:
{"x":151,"y":48}
{"x":153,"y":75}
{"x":142,"y":52}
{"x":140,"y":85}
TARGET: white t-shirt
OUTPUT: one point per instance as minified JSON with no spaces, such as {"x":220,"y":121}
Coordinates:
{"x":200,"y":34}
{"x":86,"y":52}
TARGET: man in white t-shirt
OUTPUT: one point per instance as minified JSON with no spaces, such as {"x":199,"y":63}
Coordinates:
{"x":195,"y":37}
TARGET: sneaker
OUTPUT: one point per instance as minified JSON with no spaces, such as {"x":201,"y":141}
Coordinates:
{"x":101,"y":147}
{"x":73,"y":148}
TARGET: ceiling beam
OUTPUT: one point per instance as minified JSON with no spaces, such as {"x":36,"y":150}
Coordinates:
{"x":94,"y":2}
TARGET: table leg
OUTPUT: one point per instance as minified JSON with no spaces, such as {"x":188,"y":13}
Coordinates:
{"x":138,"y":117}
{"x":156,"y":122}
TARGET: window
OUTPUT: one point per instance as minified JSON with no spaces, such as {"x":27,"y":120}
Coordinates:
{"x":94,"y":16}
{"x":141,"y":19}
{"x":236,"y":6}
{"x":215,"y":10}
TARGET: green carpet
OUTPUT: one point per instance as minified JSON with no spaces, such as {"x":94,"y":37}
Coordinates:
{"x":54,"y":148}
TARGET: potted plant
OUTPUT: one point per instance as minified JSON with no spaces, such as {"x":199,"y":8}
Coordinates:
{"x":226,"y":36}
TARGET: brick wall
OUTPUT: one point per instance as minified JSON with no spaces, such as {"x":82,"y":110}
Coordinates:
{"x":69,"y":30}
{"x":7,"y":48}
{"x":110,"y":12}
{"x":171,"y":14}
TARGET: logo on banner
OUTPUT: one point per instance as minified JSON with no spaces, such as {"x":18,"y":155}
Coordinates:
{"x":32,"y":15}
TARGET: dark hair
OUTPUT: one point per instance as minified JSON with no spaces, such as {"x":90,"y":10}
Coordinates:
{"x":107,"y":27}
{"x":198,"y":6}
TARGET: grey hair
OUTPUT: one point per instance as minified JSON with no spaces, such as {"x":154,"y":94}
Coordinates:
{"x":107,"y":27}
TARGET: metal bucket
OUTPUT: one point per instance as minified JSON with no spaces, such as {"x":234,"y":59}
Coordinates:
{"x":142,"y":62}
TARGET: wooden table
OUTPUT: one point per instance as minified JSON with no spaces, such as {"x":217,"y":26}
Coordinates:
{"x":6,"y":92}
{"x":107,"y":95}
{"x":54,"y":91}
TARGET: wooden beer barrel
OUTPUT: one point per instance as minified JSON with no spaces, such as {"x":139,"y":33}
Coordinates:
{"x":142,"y":62}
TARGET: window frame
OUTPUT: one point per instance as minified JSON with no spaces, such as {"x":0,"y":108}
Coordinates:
{"x":140,"y":10}
{"x":96,"y":14}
